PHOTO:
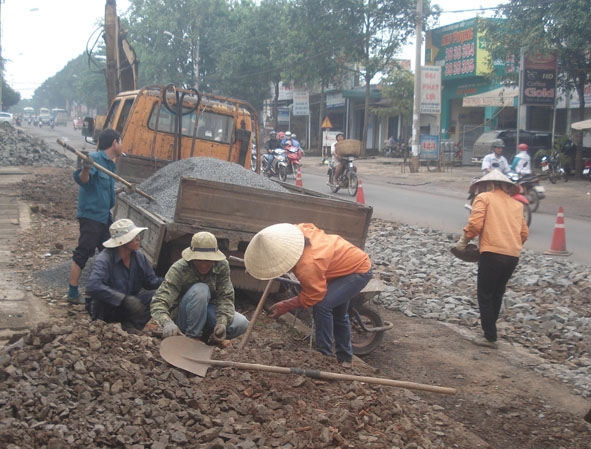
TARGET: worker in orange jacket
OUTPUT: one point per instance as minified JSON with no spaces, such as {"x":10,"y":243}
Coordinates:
{"x":331,"y":272}
{"x":497,"y":220}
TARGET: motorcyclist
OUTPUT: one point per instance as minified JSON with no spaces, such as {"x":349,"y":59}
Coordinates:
{"x":336,"y":163}
{"x":270,"y":145}
{"x":294,"y":141}
{"x":495,"y":159}
{"x":286,"y":138}
{"x":522,"y":161}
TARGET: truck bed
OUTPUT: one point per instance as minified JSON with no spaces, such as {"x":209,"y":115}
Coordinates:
{"x":234,"y":214}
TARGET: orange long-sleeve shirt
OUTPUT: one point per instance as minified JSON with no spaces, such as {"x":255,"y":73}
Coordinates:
{"x":327,"y":257}
{"x":498,"y":220}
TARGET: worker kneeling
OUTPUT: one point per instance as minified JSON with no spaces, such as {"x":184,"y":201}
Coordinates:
{"x":196,"y":297}
{"x":122,"y":281}
{"x":331,"y":272}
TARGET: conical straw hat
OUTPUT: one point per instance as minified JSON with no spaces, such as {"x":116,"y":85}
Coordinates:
{"x":496,"y":176}
{"x":274,"y":251}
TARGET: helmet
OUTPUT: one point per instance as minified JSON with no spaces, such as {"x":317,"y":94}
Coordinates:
{"x":293,"y":136}
{"x":498,"y":143}
{"x":281,"y":135}
{"x":523,"y":147}
{"x":340,"y":133}
{"x":272,"y":133}
{"x":288,"y":134}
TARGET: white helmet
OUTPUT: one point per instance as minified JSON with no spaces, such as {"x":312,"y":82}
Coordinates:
{"x":288,"y":134}
{"x":293,"y":136}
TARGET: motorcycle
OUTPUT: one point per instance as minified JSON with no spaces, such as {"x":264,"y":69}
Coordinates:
{"x":532,"y":190}
{"x":348,"y":178}
{"x":551,"y":167}
{"x":278,"y":165}
{"x":587,"y":169}
{"x":517,"y":197}
{"x":294,"y":155}
{"x":253,"y":157}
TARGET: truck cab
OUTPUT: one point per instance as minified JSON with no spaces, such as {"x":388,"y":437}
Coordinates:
{"x":44,"y":116}
{"x":162,"y":124}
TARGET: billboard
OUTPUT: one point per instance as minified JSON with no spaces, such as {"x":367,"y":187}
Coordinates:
{"x":459,"y":49}
{"x":538,"y":83}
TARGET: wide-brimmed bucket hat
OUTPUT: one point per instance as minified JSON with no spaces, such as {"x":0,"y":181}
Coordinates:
{"x":204,"y":246}
{"x":274,"y":251}
{"x":494,"y":176}
{"x":122,"y":231}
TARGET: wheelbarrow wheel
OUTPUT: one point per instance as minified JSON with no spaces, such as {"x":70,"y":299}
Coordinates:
{"x":364,"y":342}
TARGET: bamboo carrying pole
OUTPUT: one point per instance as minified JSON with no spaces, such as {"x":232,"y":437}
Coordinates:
{"x":84,"y":157}
{"x":325,"y":375}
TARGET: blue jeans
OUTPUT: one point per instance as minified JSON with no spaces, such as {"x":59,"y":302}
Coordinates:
{"x":331,"y":316}
{"x":196,"y":317}
{"x":268,"y":160}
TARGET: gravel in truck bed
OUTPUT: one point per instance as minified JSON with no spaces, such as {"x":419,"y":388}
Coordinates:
{"x":163,"y":186}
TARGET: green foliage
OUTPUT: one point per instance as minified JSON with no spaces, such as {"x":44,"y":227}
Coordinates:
{"x":399,"y":88}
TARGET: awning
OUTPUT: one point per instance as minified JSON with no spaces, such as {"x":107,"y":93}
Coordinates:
{"x":580,"y":126}
{"x":500,"y":97}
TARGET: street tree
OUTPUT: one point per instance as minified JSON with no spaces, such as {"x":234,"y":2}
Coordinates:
{"x":378,"y":29}
{"x":534,"y":27}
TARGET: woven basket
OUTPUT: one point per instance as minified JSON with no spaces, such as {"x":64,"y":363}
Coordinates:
{"x":348,"y":147}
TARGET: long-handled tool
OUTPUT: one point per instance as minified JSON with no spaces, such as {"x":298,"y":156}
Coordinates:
{"x":193,"y":356}
{"x":84,"y":157}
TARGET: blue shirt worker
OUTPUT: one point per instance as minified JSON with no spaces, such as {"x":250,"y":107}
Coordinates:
{"x":196,"y":297}
{"x":122,"y":281}
{"x":96,"y":198}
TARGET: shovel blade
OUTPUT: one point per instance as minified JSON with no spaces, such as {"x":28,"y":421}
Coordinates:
{"x":176,"y":349}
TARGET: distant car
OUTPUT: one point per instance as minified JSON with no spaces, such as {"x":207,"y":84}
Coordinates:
{"x":5,"y":117}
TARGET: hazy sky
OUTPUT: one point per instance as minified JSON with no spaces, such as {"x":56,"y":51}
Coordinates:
{"x":39,"y":37}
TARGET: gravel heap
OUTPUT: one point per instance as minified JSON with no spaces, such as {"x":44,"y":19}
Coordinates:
{"x":93,"y":385}
{"x":547,"y":299}
{"x":19,"y":148}
{"x":163,"y":185}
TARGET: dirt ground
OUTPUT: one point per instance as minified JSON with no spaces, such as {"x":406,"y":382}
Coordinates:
{"x":501,"y":402}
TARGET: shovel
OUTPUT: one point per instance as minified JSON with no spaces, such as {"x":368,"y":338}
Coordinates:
{"x":104,"y":170}
{"x":194,"y":356}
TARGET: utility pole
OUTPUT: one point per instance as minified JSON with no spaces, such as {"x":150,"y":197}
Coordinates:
{"x":416,"y":113}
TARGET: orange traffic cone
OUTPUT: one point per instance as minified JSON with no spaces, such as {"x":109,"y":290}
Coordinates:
{"x":299,"y":182}
{"x":558,"y":246}
{"x":360,"y":196}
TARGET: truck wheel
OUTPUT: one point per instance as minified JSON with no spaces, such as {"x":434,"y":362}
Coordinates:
{"x":282,"y":173}
{"x":364,"y":342}
{"x":353,"y":184}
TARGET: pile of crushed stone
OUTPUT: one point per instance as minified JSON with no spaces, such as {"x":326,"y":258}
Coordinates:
{"x":89,"y":384}
{"x":17,"y":148}
{"x":163,"y":185}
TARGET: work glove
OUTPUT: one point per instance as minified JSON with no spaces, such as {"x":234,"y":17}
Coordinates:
{"x":218,"y":335}
{"x":86,"y":163}
{"x":170,"y":329}
{"x":133,"y":305}
{"x":285,"y":306}
{"x":462,"y":243}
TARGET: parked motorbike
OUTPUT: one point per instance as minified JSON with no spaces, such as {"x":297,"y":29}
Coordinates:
{"x":551,"y":167}
{"x":587,"y":169}
{"x":517,"y":197}
{"x":278,"y":165}
{"x":532,"y":189}
{"x":348,"y":178}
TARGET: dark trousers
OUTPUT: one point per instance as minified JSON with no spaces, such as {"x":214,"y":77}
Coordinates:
{"x":494,"y":271}
{"x":98,"y":310}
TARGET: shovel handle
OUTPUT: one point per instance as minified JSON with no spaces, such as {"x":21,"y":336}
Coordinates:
{"x":315,"y":374}
{"x":103,"y":169}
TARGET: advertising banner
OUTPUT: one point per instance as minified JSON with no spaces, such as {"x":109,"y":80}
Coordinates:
{"x":431,"y":90}
{"x":538,"y":86}
{"x":301,"y":103}
{"x":429,"y":147}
